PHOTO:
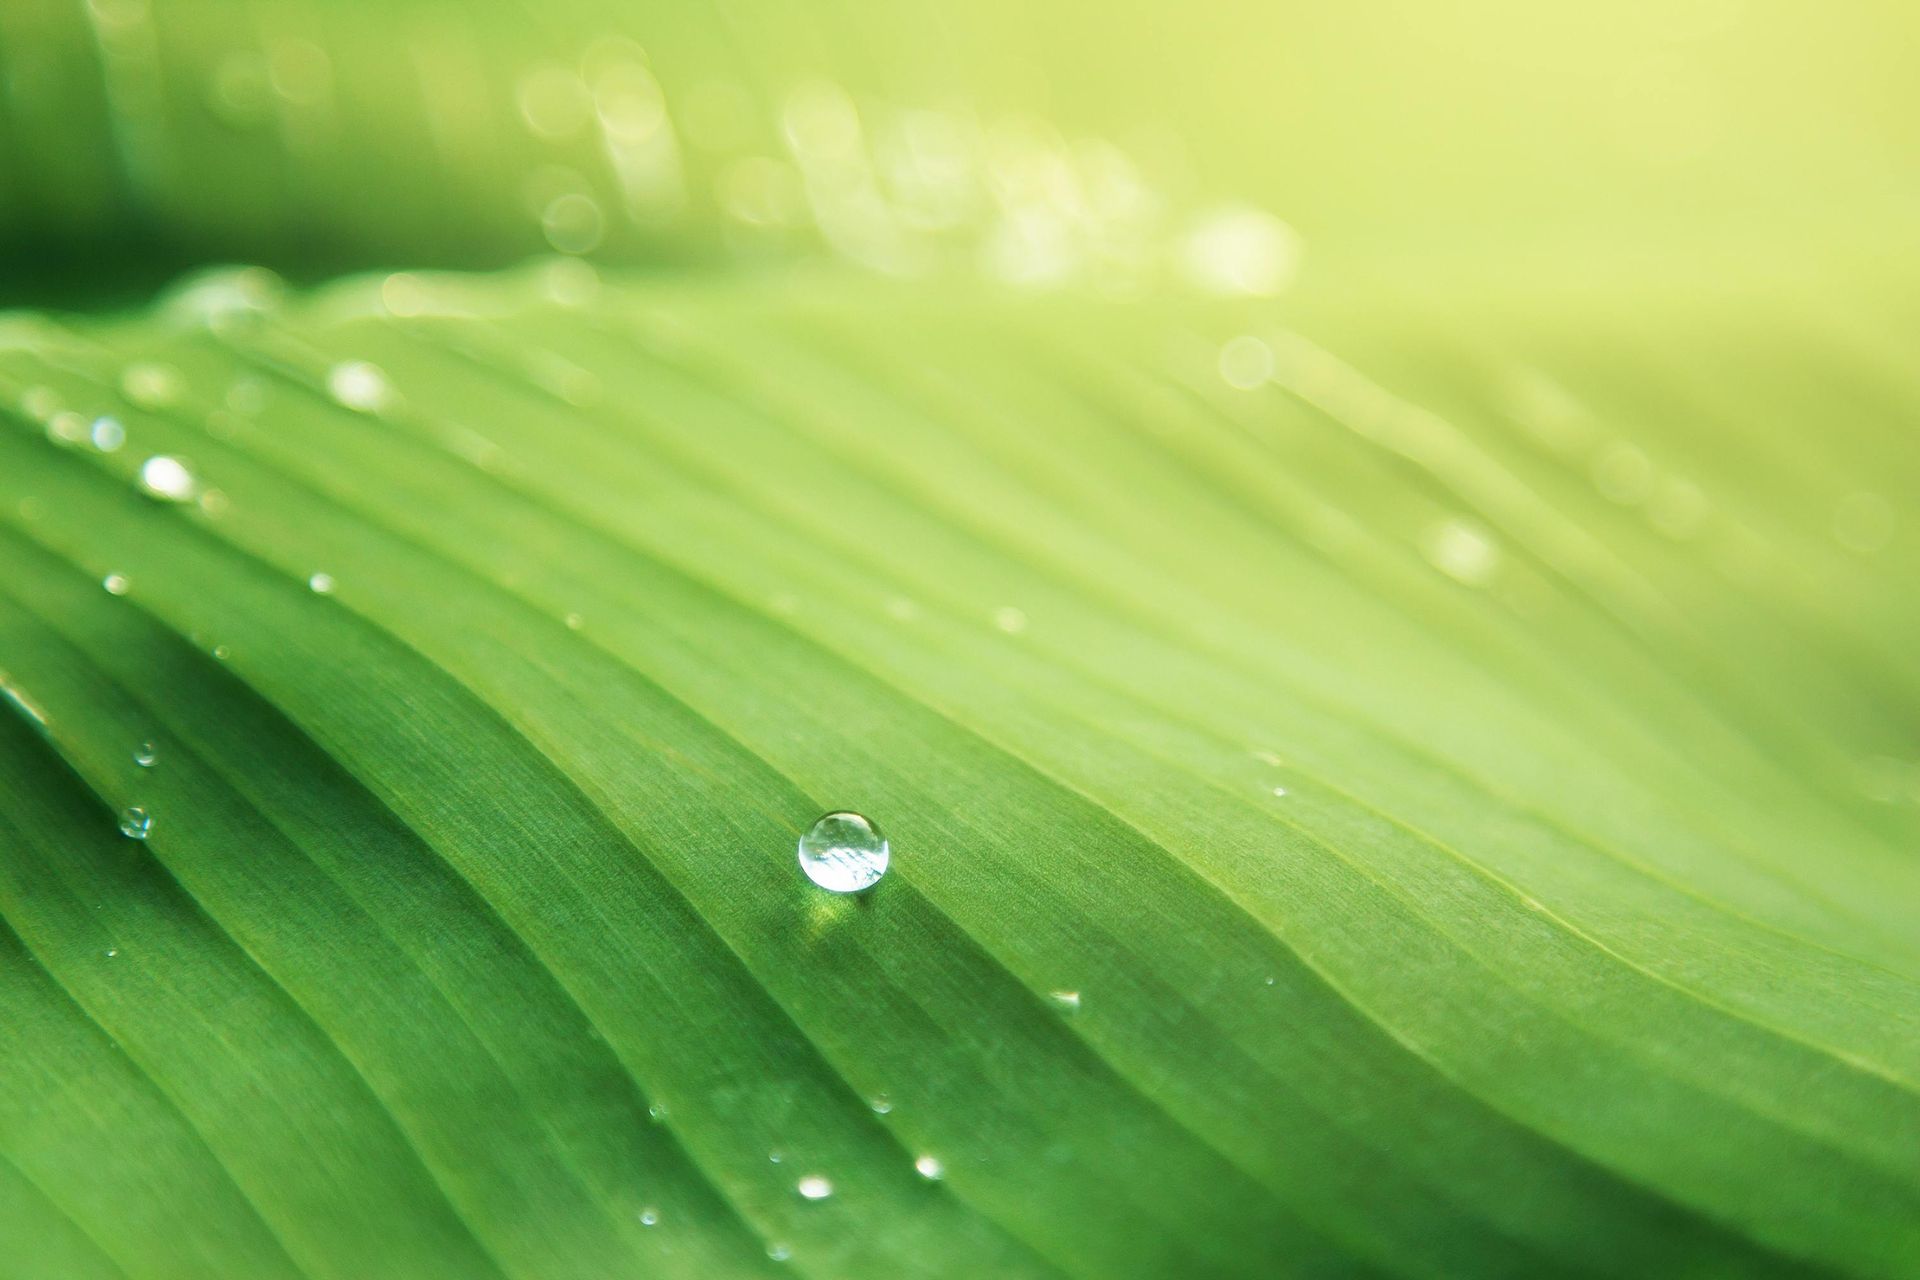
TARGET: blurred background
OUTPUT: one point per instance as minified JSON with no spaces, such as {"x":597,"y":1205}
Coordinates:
{"x":1041,"y":143}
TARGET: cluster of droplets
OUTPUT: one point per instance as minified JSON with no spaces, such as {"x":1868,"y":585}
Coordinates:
{"x":901,"y":190}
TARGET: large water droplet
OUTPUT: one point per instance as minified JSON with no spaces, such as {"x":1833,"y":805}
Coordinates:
{"x":930,"y":1168}
{"x":116,"y":584}
{"x":843,"y":853}
{"x":1066,"y":1001}
{"x":144,"y":755}
{"x":135,"y":822}
{"x":813,"y":1187}
{"x":321,"y":584}
{"x":649,"y":1216}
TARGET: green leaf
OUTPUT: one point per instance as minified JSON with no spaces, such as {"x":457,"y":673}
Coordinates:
{"x":1435,"y":809}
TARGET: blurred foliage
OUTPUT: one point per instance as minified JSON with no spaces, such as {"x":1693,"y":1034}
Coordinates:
{"x":1362,"y":555}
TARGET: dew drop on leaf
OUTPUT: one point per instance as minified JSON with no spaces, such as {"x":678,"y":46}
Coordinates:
{"x":930,"y":1168}
{"x":144,"y":755}
{"x":168,"y":479}
{"x":649,"y":1216}
{"x":813,"y":1187}
{"x":135,"y":822}
{"x":359,"y":386}
{"x":321,"y":584}
{"x":116,"y":584}
{"x":1066,"y":1001}
{"x":844,"y":853}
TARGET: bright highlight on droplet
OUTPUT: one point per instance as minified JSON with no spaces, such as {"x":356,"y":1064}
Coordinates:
{"x":930,"y":1168}
{"x":135,"y":822}
{"x":116,"y":584}
{"x":1066,"y":1001}
{"x":813,"y":1187}
{"x":844,"y":853}
{"x":145,"y":755}
{"x":321,"y":584}
{"x":649,"y":1216}
{"x":359,"y":386}
{"x":167,"y":478}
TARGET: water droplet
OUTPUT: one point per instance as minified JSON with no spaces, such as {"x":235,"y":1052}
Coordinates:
{"x":116,"y":584}
{"x":1010,"y":620}
{"x":779,"y":1252}
{"x":135,"y":822}
{"x":573,"y":223}
{"x":1271,"y":981}
{"x":1463,"y":551}
{"x":151,"y":386}
{"x":107,"y":434}
{"x":1067,"y":1001}
{"x":168,"y":479}
{"x":844,"y":853}
{"x":657,"y":1113}
{"x":930,"y":1168}
{"x":881,"y":1104}
{"x":1280,"y":791}
{"x":66,"y":427}
{"x":221,"y":653}
{"x":112,"y":952}
{"x":1246,"y":363}
{"x":813,"y":1187}
{"x":321,"y":584}
{"x":1238,"y":249}
{"x":360,"y":386}
{"x":145,"y":755}
{"x":575,"y":622}
{"x":649,"y":1216}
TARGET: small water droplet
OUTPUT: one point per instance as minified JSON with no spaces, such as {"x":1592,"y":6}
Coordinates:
{"x":844,"y":853}
{"x":168,"y":479}
{"x":107,"y":434}
{"x":649,"y":1216}
{"x":657,"y":1113}
{"x":1246,"y":363}
{"x":112,"y":952}
{"x":779,"y":1252}
{"x":930,"y":1168}
{"x":321,"y":584}
{"x":1010,"y":620}
{"x":1463,"y":551}
{"x":116,"y":584}
{"x":1270,"y":981}
{"x":575,"y":622}
{"x":151,"y":386}
{"x":775,"y":1157}
{"x":145,"y":755}
{"x":221,"y":653}
{"x":1279,"y":791}
{"x":813,"y":1187}
{"x":881,"y":1104}
{"x":67,"y":427}
{"x":135,"y":822}
{"x":1068,"y":1001}
{"x":360,"y":386}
